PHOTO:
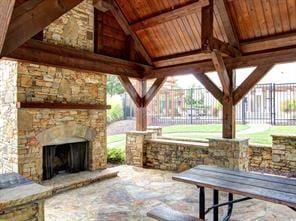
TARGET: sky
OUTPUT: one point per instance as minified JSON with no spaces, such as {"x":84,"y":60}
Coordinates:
{"x":281,"y":73}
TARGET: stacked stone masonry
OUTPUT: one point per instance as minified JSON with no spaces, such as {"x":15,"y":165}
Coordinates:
{"x":20,"y":150}
{"x":181,"y":154}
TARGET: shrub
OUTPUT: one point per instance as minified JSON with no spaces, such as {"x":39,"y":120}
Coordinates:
{"x":116,"y":155}
{"x":116,"y":111}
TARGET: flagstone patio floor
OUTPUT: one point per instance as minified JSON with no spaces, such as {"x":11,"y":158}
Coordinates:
{"x":135,"y":191}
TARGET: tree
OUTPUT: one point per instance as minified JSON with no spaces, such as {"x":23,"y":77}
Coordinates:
{"x":114,"y":86}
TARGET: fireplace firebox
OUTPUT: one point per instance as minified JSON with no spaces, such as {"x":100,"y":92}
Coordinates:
{"x":64,"y":158}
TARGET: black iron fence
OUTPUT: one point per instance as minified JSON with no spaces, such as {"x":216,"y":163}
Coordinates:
{"x":264,"y":104}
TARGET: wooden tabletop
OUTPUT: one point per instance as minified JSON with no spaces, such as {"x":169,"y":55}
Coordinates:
{"x":264,"y":187}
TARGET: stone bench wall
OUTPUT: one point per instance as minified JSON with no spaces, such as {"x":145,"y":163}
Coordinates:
{"x":174,"y":155}
{"x":180,"y":154}
{"x":260,"y":157}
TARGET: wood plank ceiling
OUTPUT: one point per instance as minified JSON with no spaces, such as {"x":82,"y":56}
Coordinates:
{"x":254,"y":20}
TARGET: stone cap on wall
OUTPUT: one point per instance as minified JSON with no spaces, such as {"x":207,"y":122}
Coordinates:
{"x":235,"y":140}
{"x":284,"y":135}
{"x":165,"y":141}
{"x":136,"y":132}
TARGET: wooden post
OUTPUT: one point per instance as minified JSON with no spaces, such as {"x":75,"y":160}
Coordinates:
{"x":229,"y":109}
{"x":141,"y":112}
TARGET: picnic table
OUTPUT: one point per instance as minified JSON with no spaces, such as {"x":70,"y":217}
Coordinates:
{"x":249,"y":185}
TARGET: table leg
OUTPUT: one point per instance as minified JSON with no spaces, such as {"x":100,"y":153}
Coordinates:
{"x":202,"y":202}
{"x":230,"y":207}
{"x":216,"y":202}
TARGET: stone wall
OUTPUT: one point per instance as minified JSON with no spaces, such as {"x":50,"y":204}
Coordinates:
{"x":74,"y":29}
{"x":181,"y":154}
{"x":260,"y":157}
{"x":8,"y":113}
{"x":174,"y":155}
{"x":284,"y":153}
{"x":229,"y":153}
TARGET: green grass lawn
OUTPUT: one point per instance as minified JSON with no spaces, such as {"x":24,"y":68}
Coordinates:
{"x":265,"y":136}
{"x":204,"y":128}
{"x":210,"y":130}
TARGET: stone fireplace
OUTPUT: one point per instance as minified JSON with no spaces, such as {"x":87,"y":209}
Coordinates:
{"x":27,"y":131}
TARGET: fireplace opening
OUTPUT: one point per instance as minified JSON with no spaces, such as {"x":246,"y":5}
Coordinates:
{"x":64,"y":158}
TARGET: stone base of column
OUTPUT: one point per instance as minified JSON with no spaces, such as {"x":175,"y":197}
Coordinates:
{"x":156,"y":129}
{"x":284,"y":153}
{"x":135,"y":145}
{"x":228,"y":153}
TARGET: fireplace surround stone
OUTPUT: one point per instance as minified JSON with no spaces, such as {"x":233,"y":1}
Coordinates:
{"x":26,"y":130}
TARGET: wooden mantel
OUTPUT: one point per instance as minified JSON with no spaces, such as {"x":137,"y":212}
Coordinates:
{"x":49,"y":105}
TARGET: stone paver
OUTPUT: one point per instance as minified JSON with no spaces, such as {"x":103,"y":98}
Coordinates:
{"x":137,"y":190}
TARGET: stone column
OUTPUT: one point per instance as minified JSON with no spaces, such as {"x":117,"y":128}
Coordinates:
{"x":135,"y":146}
{"x":156,"y":129}
{"x":228,"y":153}
{"x":284,"y":153}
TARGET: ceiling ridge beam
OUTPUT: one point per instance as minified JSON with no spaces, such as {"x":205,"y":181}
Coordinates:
{"x":210,"y":86}
{"x":170,"y":15}
{"x":124,"y":24}
{"x":251,"y":81}
{"x":33,"y":20}
{"x":227,"y":23}
{"x":6,"y":9}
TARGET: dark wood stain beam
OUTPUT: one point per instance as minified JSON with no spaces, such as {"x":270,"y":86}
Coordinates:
{"x":24,"y":26}
{"x":251,"y":81}
{"x":221,"y":70}
{"x":170,"y":15}
{"x":47,"y":54}
{"x":251,"y":60}
{"x":207,"y":29}
{"x":130,"y":89}
{"x":227,"y":22}
{"x":153,"y":90}
{"x":6,"y":9}
{"x":210,"y":86}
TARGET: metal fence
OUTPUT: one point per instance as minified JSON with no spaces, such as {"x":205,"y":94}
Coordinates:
{"x":264,"y":104}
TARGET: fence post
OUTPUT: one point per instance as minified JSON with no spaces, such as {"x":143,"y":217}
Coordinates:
{"x":191,"y":101}
{"x":244,"y":110}
{"x":273,"y":102}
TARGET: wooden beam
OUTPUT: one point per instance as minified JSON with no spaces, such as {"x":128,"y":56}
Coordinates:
{"x":228,"y":119}
{"x":6,"y":8}
{"x":122,"y":21}
{"x":207,"y":21}
{"x":35,"y":19}
{"x":210,"y":86}
{"x":47,"y":105}
{"x":128,"y":86}
{"x":141,"y":112}
{"x":269,"y":43}
{"x":225,"y":48}
{"x":158,"y":83}
{"x":170,"y":15}
{"x":222,"y":71}
{"x":227,"y":22}
{"x":251,"y":81}
{"x":283,"y":55}
{"x":47,"y":54}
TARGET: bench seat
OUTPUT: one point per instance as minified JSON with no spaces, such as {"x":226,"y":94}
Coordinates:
{"x":164,"y":213}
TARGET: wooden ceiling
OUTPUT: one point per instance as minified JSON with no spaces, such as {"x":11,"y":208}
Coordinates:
{"x":165,"y":37}
{"x":179,"y":40}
